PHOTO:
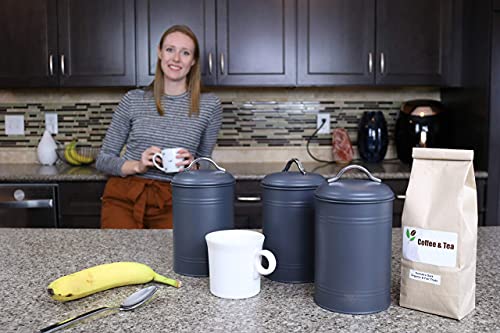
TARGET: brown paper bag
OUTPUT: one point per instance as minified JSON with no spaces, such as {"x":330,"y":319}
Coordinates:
{"x":439,"y":225}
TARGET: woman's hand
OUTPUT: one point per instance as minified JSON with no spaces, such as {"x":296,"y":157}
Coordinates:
{"x":146,"y":160}
{"x":186,"y":155}
{"x":133,"y":167}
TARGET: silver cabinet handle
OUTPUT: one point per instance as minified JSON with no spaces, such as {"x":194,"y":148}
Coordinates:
{"x":210,"y":63}
{"x":370,"y":62}
{"x":51,"y":65}
{"x":28,"y":204}
{"x":382,"y":62}
{"x":62,"y":64}
{"x":222,"y":63}
{"x":401,"y":196}
{"x":248,"y":199}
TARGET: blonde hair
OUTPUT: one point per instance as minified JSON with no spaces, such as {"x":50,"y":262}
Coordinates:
{"x":193,"y":78}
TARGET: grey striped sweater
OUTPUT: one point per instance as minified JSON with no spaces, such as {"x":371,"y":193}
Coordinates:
{"x":137,"y":124}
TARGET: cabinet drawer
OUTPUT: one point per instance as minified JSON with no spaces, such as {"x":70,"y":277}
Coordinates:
{"x":248,"y":204}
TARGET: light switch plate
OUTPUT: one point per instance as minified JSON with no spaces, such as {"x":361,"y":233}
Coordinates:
{"x":14,"y":125}
{"x":51,"y":122}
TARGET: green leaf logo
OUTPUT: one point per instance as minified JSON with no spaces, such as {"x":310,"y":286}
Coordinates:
{"x":411,"y":235}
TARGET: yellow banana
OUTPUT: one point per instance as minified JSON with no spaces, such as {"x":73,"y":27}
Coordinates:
{"x":103,"y":277}
{"x":68,"y":156}
{"x":78,"y":157}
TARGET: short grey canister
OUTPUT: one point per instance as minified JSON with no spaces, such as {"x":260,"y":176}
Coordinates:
{"x":353,"y":244}
{"x":202,"y":202}
{"x":288,"y":222}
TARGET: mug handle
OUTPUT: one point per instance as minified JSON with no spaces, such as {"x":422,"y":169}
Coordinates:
{"x":270,"y":258}
{"x":154,"y":161}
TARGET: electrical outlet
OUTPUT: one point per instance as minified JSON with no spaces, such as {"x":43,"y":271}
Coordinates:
{"x":51,"y":122}
{"x":326,"y":127}
{"x":14,"y":125}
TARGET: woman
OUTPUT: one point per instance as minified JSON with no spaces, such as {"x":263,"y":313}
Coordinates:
{"x":171,"y":112}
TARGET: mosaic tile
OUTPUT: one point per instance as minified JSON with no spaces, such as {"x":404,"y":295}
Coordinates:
{"x":245,"y":123}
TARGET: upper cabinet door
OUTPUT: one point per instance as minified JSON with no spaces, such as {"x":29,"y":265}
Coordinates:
{"x":96,"y":42}
{"x":29,"y":43}
{"x":156,"y":16}
{"x":336,"y":42}
{"x":413,"y":41}
{"x":256,"y":42}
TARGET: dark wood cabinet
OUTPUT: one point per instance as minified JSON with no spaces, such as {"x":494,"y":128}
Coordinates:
{"x":413,"y":41}
{"x":29,"y":43}
{"x":254,"y":45}
{"x":336,"y":42}
{"x":388,"y":42}
{"x":67,"y":43}
{"x":256,"y":42}
{"x":156,"y":16}
{"x":242,"y":43}
{"x":96,"y":42}
{"x":80,"y":204}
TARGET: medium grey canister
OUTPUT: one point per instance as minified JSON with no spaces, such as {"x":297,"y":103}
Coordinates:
{"x":202,"y":202}
{"x":353,"y":244}
{"x":288,"y":222}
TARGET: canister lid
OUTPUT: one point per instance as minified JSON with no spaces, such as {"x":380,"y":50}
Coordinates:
{"x":198,"y":178}
{"x":295,"y":179}
{"x":354,"y":190}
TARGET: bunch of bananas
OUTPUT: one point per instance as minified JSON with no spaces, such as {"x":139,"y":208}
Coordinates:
{"x":73,"y":157}
{"x":103,"y":277}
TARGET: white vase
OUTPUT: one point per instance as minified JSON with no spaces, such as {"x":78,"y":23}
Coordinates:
{"x":46,"y":150}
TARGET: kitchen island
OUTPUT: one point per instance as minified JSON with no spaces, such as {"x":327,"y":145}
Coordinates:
{"x":31,"y":258}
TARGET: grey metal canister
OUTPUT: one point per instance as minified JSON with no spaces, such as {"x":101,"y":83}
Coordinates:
{"x":353,"y":244}
{"x":288,"y":222}
{"x":202,"y":202}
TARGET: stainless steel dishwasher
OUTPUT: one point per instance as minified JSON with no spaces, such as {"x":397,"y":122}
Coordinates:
{"x":28,"y":205}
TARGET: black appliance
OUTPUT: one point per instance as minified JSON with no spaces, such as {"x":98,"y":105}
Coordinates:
{"x":420,"y":123}
{"x":28,"y":205}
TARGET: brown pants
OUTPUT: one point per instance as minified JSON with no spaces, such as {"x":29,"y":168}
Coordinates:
{"x":136,"y":203}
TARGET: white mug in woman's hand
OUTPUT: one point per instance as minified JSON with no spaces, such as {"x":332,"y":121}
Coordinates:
{"x":168,"y":159}
{"x":234,"y":261}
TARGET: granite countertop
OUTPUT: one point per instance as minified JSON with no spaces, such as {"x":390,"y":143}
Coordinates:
{"x":31,"y":258}
{"x":393,"y":169}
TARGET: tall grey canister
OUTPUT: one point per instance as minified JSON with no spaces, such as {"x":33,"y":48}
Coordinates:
{"x":353,"y":244}
{"x":288,"y":222}
{"x":202,"y":202}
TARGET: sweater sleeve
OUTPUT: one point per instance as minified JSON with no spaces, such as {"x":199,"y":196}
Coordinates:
{"x":109,"y":160}
{"x":211,"y":133}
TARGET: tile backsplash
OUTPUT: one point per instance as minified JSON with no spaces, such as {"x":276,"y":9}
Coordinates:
{"x":251,"y":117}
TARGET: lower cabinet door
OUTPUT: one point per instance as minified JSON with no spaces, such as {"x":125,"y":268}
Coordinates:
{"x":80,"y":204}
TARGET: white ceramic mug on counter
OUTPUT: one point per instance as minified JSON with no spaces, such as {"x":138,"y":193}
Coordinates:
{"x":234,"y":260}
{"x":168,"y":159}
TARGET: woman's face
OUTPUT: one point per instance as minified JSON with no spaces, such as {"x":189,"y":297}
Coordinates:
{"x":176,"y":56}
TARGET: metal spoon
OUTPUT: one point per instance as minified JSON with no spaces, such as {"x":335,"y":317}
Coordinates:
{"x":133,"y":301}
